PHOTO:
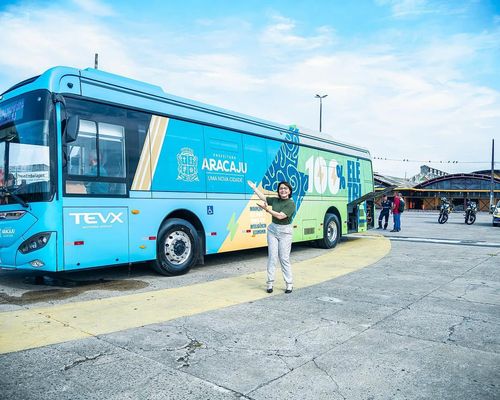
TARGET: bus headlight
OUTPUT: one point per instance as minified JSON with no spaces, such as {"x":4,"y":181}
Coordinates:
{"x":35,"y":242}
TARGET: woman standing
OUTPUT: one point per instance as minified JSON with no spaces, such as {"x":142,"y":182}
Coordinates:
{"x":279,"y":232}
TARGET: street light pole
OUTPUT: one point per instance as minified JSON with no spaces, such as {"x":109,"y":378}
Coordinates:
{"x":492,"y":181}
{"x":320,"y":107}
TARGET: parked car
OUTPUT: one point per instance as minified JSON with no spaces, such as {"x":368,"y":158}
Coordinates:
{"x":496,"y":215}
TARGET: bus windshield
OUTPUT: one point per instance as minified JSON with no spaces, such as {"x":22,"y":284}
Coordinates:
{"x":25,"y":137}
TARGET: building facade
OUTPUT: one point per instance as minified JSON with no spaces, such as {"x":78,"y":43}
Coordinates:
{"x":457,"y":188}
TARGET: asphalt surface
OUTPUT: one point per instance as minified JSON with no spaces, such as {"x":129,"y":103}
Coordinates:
{"x":418,"y":321}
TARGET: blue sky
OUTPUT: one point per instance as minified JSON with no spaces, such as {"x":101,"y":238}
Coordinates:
{"x":408,"y":79}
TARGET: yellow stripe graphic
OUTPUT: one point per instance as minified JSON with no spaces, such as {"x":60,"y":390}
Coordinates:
{"x":150,"y":153}
{"x":143,"y":166}
{"x":37,"y":327}
{"x":157,"y":143}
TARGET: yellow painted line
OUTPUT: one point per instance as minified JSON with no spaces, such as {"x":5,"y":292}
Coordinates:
{"x":37,"y":327}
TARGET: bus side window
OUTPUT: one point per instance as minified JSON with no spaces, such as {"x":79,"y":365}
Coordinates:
{"x":75,"y":160}
{"x":112,"y":148}
{"x":81,"y":152}
{"x":110,"y":140}
{"x":97,"y":157}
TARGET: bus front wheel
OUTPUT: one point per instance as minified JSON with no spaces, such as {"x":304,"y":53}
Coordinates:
{"x":331,"y":232}
{"x":177,"y":247}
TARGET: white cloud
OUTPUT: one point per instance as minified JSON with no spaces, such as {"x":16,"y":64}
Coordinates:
{"x":282,"y":34}
{"x":206,"y":73}
{"x":393,"y":106}
{"x":37,"y":39}
{"x":95,"y":7}
{"x":398,"y":103}
{"x":223,"y":33}
{"x":404,"y":7}
{"x":413,"y":8}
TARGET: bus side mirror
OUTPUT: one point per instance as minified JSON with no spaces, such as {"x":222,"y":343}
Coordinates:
{"x":72,"y":127}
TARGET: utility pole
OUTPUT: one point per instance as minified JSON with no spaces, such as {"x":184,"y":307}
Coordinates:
{"x":492,"y":181}
{"x":96,"y":61}
{"x":320,"y":107}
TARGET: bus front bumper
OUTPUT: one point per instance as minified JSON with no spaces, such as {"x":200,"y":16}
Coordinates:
{"x":43,"y":259}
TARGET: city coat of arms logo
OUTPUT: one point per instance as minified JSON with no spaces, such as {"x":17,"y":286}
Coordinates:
{"x":187,"y":165}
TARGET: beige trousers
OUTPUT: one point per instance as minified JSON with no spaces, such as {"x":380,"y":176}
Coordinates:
{"x":279,"y":241}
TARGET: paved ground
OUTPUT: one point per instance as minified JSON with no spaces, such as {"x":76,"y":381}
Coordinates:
{"x":420,"y":322}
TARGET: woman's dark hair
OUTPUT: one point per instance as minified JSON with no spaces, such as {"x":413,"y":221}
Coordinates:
{"x":287,"y":185}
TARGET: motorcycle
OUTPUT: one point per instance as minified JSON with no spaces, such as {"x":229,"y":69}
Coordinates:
{"x":470,"y":212}
{"x":445,"y":212}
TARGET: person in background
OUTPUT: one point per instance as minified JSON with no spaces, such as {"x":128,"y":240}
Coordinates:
{"x":384,"y":213}
{"x":95,"y":187}
{"x":402,"y":207}
{"x":396,"y":214}
{"x":279,"y":232}
{"x":11,"y":180}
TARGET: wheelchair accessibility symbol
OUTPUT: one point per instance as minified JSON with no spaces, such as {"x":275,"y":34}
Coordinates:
{"x":210,"y":210}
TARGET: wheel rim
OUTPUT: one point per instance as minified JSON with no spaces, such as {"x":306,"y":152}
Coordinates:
{"x":441,"y":218}
{"x":178,"y":247}
{"x":331,"y":232}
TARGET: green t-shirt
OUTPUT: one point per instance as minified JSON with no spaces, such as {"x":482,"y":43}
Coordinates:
{"x":285,"y":206}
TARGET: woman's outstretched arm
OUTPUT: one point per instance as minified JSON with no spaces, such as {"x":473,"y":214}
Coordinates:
{"x":259,"y":194}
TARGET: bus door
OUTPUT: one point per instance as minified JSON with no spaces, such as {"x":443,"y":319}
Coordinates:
{"x":95,"y":221}
{"x":95,"y":236}
{"x":360,"y":213}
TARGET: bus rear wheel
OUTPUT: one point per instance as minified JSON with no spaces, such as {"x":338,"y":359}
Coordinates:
{"x":177,"y":247}
{"x":331,"y":232}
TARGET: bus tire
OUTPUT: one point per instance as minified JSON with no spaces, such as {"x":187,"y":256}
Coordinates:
{"x":177,"y":247}
{"x":331,"y":232}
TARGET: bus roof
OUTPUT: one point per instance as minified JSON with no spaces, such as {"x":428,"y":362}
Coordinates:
{"x":89,"y":83}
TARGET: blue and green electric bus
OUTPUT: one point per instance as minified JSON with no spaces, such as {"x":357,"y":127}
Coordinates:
{"x":99,"y":170}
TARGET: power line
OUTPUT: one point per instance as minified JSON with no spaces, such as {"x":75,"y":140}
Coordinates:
{"x":433,"y":162}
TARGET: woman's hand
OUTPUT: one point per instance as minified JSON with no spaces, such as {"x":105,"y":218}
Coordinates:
{"x":259,"y":194}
